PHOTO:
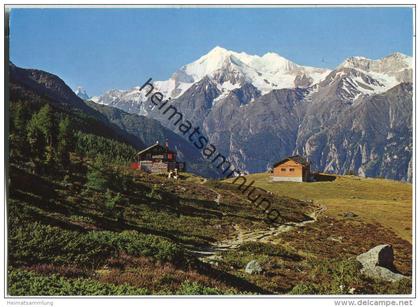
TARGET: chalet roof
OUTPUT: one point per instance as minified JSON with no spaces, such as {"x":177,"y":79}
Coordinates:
{"x":151,"y":147}
{"x":298,"y":159}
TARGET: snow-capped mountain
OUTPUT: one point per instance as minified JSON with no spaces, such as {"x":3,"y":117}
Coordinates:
{"x":360,"y":75}
{"x":81,"y":92}
{"x":229,"y":70}
{"x":393,"y":68}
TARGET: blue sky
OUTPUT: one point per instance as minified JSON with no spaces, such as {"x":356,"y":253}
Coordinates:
{"x":102,"y":49}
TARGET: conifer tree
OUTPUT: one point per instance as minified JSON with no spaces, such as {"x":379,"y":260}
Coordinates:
{"x":17,"y":133}
{"x":97,"y":179}
{"x":65,"y":141}
{"x":41,"y":136}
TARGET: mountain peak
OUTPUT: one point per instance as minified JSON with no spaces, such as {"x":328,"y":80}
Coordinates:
{"x":397,"y":57}
{"x":81,"y":92}
{"x":217,"y":53}
{"x":273,"y":55}
{"x":218,"y":49}
{"x":221,"y":54}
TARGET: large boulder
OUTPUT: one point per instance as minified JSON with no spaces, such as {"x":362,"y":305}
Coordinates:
{"x":253,"y":267}
{"x":381,"y":255}
{"x":378,"y":262}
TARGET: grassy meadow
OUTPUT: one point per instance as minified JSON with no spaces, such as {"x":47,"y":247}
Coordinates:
{"x":382,"y":201}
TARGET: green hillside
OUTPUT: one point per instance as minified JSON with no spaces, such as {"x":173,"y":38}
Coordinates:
{"x":81,"y":222}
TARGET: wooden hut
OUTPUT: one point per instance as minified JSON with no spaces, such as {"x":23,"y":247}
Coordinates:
{"x":294,"y":168}
{"x":157,"y":159}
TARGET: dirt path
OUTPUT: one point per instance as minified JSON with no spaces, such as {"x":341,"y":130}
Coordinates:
{"x":218,"y":195}
{"x":265,"y":235}
{"x":242,"y":236}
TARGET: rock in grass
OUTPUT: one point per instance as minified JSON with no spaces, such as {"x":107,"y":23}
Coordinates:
{"x":253,"y":267}
{"x":378,"y":262}
{"x":381,"y":255}
{"x":348,"y":215}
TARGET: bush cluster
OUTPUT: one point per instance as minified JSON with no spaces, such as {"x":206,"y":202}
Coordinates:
{"x":344,"y":277}
{"x":194,"y":288}
{"x":24,"y":283}
{"x":38,"y":243}
{"x":269,"y":250}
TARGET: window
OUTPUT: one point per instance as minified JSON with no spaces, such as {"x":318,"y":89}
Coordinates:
{"x":283,"y":169}
{"x":291,"y":169}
